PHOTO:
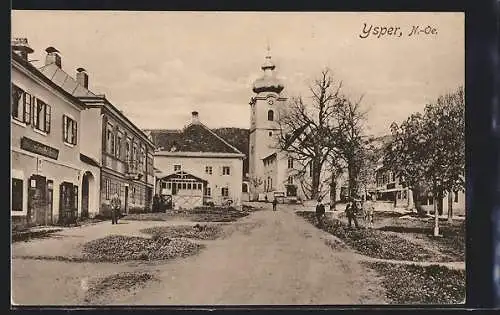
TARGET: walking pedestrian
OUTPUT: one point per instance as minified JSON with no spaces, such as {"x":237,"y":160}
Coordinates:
{"x":352,"y":211}
{"x":115,"y":208}
{"x":156,"y":203}
{"x":320,"y":212}
{"x":275,"y":203}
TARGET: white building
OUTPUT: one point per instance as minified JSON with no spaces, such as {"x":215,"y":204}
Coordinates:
{"x":48,"y":171}
{"x":197,"y":167}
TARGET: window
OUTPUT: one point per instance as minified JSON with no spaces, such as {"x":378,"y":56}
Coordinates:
{"x":208,"y":191}
{"x":290,"y":162}
{"x":177,"y":168}
{"x":189,"y":186}
{"x":208,"y":170}
{"x":226,"y":170}
{"x":69,"y":130}
{"x":17,"y":194}
{"x":225,"y":192}
{"x":244,"y":188}
{"x":118,"y":146}
{"x":455,"y":197}
{"x":107,"y":189}
{"x":128,"y":150}
{"x":41,"y":116}
{"x":270,"y":133}
{"x":290,"y":180}
{"x":199,"y":186}
{"x":169,"y":185}
{"x":270,"y":115}
{"x":21,"y":105}
{"x":184,"y":186}
{"x":163,"y":185}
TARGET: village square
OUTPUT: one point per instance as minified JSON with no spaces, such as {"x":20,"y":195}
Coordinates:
{"x":304,"y":203}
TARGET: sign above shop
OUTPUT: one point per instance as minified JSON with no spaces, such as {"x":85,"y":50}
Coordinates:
{"x":39,"y":148}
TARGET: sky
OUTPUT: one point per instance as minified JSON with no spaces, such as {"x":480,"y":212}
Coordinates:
{"x":157,"y":67}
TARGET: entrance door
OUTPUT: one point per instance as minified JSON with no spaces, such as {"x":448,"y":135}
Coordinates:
{"x":125,"y":206}
{"x":37,"y":205}
{"x":85,"y":196}
{"x":50,"y":199}
{"x":68,"y":200}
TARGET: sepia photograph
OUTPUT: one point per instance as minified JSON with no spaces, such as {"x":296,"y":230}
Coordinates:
{"x":191,"y":158}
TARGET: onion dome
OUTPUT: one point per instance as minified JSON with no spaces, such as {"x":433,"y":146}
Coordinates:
{"x":268,"y":82}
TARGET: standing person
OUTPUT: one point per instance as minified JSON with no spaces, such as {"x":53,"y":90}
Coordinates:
{"x":115,"y":208}
{"x":351,"y":212}
{"x":275,"y":203}
{"x":320,"y":212}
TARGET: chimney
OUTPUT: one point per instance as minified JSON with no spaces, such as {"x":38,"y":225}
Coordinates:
{"x":195,"y":119}
{"x":20,"y":46}
{"x":53,"y":56}
{"x":82,"y":77}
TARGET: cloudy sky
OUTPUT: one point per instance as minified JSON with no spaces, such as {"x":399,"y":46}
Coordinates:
{"x":159,"y":66}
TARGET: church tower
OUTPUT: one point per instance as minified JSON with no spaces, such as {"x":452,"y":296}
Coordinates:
{"x":264,"y":128}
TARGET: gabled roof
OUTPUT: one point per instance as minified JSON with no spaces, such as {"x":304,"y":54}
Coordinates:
{"x":32,"y":69}
{"x":182,"y":175}
{"x":64,"y":80}
{"x":195,"y":137}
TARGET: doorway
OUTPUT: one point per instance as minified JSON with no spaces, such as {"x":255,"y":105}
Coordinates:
{"x":87,"y":183}
{"x":37,"y":200}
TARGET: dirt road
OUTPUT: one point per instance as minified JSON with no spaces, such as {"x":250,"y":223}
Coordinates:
{"x":281,"y":260}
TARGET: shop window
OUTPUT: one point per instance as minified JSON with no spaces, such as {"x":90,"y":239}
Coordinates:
{"x":17,"y":194}
{"x":225,"y":192}
{"x":69,"y":130}
{"x":41,"y":116}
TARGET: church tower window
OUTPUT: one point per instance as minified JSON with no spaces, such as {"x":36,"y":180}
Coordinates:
{"x":270,"y":115}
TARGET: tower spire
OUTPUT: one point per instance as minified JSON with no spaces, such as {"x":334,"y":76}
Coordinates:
{"x":268,"y":56}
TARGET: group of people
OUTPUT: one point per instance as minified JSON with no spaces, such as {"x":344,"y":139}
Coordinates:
{"x":352,"y":210}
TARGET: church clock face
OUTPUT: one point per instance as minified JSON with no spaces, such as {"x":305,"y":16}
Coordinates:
{"x":270,"y":101}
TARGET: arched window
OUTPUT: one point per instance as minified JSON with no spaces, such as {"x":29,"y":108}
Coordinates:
{"x":270,"y":115}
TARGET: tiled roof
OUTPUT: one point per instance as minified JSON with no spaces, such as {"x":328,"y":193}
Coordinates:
{"x":64,"y":80}
{"x":193,"y":138}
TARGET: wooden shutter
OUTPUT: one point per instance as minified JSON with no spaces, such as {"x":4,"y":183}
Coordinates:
{"x":47,"y":118}
{"x":27,"y":108}
{"x":75,"y":130}
{"x":65,"y":128}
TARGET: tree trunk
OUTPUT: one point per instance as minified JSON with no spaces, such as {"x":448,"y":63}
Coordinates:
{"x":436,"y":217}
{"x":353,"y":189}
{"x":316,"y":172}
{"x":416,"y":201}
{"x":440,"y":203}
{"x":450,"y":206}
{"x":333,"y":191}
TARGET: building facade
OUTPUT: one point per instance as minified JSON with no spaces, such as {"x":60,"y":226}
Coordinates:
{"x":46,"y":166}
{"x":120,"y":149}
{"x":197,"y":167}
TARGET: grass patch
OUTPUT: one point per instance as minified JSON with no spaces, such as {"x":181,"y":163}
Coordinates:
{"x":374,"y":243}
{"x":201,"y":232}
{"x":411,"y":284}
{"x":122,"y":248}
{"x":27,"y":235}
{"x":125,"y":281}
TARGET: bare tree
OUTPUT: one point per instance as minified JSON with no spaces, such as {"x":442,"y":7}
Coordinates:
{"x":305,"y":132}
